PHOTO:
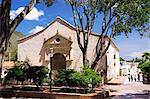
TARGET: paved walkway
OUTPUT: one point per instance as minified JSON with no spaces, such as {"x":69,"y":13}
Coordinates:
{"x":121,"y":88}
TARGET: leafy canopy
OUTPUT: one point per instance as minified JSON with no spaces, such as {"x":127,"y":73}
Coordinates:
{"x":130,"y":14}
{"x":47,"y":2}
{"x":145,"y":63}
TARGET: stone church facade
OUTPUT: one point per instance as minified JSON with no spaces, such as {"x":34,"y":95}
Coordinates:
{"x":59,"y":40}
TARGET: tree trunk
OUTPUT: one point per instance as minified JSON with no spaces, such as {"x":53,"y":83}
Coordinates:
{"x":7,"y":28}
{"x":1,"y":63}
{"x":85,"y":60}
{"x":101,"y":53}
{"x":4,"y":28}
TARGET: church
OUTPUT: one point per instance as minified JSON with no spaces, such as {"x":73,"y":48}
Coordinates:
{"x":58,"y":41}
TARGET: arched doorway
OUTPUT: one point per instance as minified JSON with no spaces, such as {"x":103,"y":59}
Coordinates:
{"x":58,"y":62}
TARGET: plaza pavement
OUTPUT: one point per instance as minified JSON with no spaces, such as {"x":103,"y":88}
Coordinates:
{"x":121,"y":88}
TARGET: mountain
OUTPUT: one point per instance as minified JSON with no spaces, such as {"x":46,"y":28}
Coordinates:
{"x":12,"y":46}
{"x":13,"y":41}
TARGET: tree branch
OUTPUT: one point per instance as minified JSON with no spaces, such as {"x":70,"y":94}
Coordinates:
{"x":21,"y":16}
{"x":100,"y":52}
{"x":80,"y":18}
{"x":77,"y":26}
{"x":4,"y":22}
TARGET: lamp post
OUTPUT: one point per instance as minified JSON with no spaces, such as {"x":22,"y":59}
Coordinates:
{"x":50,"y":68}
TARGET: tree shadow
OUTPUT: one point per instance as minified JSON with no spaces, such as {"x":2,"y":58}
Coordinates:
{"x":145,"y":94}
{"x":113,"y":83}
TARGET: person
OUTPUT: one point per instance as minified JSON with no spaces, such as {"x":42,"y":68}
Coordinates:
{"x":138,"y":77}
{"x":129,"y":77}
{"x":132,"y":78}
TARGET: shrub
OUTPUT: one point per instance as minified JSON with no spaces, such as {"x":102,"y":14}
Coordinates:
{"x":38,"y":75}
{"x":17,"y":73}
{"x":23,"y":71}
{"x":63,"y":78}
{"x":87,"y":78}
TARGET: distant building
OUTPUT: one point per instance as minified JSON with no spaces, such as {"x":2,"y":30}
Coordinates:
{"x":129,"y":68}
{"x":59,"y":38}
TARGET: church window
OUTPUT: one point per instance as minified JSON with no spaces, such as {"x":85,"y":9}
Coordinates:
{"x":57,"y":40}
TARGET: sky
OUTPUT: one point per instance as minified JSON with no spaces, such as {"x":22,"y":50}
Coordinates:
{"x":41,"y":16}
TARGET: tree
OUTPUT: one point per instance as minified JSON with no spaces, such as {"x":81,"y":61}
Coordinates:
{"x":145,"y":60}
{"x":7,"y":26}
{"x":118,"y":16}
{"x":80,"y":10}
{"x":121,"y":59}
{"x":144,"y":65}
{"x":146,"y":56}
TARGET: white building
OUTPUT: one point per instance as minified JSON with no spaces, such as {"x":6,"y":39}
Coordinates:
{"x":60,"y":36}
{"x":129,"y":68}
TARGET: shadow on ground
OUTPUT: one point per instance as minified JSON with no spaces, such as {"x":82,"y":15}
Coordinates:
{"x":145,"y":94}
{"x":113,"y":83}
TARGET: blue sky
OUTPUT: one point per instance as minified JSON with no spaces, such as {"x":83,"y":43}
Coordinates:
{"x":41,"y":15}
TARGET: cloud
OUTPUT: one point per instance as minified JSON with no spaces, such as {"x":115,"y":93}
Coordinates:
{"x":12,"y":14}
{"x":36,"y":29}
{"x":137,"y":54}
{"x":33,"y":15}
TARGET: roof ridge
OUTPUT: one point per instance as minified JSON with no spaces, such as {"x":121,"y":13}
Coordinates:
{"x":58,"y":35}
{"x":62,"y":20}
{"x":34,"y":34}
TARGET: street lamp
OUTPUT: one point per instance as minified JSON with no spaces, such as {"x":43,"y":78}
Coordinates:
{"x":50,"y":67}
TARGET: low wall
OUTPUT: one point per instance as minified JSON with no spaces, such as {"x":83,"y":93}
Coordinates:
{"x":53,"y":95}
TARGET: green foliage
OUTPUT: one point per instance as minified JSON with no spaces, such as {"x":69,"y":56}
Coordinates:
{"x":145,"y":67}
{"x":116,"y":17}
{"x":131,"y":14}
{"x":121,"y":59}
{"x":63,"y":78}
{"x":47,"y":2}
{"x":38,"y":74}
{"x":16,"y":73}
{"x":23,"y":71}
{"x":144,"y":64}
{"x":146,"y":56}
{"x":88,"y":78}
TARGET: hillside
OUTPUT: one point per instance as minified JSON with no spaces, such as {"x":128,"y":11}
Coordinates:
{"x":12,"y":46}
